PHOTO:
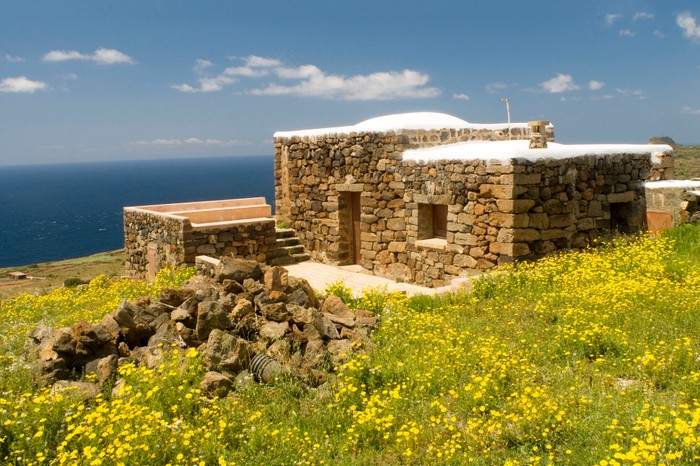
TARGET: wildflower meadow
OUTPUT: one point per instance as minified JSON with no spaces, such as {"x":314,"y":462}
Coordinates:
{"x":584,"y":358}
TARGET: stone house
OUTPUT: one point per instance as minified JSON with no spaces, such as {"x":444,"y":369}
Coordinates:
{"x":425,"y":197}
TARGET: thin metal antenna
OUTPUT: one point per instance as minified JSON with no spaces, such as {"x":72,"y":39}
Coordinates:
{"x":503,"y":99}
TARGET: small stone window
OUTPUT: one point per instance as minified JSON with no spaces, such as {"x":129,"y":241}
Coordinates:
{"x":439,"y":221}
{"x":432,"y":221}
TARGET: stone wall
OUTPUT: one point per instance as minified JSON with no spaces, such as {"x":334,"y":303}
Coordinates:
{"x":165,"y":239}
{"x":496,"y":213}
{"x":524,"y":210}
{"x":329,"y":158}
{"x":690,"y":207}
{"x":662,"y":168}
{"x":153,"y":241}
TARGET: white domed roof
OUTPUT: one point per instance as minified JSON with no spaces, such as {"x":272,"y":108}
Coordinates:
{"x":414,"y":120}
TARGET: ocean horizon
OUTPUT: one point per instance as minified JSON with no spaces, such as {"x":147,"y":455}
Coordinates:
{"x":60,"y":211}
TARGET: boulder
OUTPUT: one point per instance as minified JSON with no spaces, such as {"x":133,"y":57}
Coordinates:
{"x":211,"y":315}
{"x":232,"y":286}
{"x":175,"y":296}
{"x":276,"y":279}
{"x":83,"y":391}
{"x":226,"y":352}
{"x":334,"y":305}
{"x":149,"y":356}
{"x":216,"y":384}
{"x":301,"y":284}
{"x":103,"y":369}
{"x":243,"y":308}
{"x":325,"y":327}
{"x":135,"y":330}
{"x":276,"y":312}
{"x":274,"y":331}
{"x":230,"y":268}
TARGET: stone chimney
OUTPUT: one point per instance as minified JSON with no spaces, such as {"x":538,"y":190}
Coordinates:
{"x":538,"y":139}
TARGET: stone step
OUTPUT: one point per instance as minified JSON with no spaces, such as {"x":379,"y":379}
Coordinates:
{"x":296,"y":249}
{"x":289,"y":248}
{"x":291,"y":241}
{"x":285,"y":232}
{"x":290,"y":259}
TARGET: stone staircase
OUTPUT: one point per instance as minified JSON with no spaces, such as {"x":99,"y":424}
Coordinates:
{"x":289,"y":248}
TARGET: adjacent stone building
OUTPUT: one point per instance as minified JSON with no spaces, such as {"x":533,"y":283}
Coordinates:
{"x":672,"y":202}
{"x":158,"y":236}
{"x":425,"y":197}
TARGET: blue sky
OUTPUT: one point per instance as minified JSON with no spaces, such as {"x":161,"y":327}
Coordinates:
{"x":92,"y":80}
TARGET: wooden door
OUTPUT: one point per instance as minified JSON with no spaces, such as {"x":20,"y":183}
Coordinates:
{"x":355,"y":221}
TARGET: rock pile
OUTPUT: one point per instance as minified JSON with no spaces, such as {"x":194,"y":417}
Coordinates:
{"x":244,"y":320}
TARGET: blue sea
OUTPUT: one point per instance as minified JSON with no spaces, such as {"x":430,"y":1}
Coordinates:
{"x":61,"y":211}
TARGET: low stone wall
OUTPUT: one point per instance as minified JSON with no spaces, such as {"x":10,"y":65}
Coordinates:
{"x":153,"y":241}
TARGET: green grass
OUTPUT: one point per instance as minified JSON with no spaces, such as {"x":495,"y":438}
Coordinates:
{"x":686,"y":162}
{"x":583,"y":358}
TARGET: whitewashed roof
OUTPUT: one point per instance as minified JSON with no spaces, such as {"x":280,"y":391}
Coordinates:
{"x":688,"y":184}
{"x":401,"y":121}
{"x":504,"y":151}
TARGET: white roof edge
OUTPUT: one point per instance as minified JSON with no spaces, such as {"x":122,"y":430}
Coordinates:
{"x":672,"y":184}
{"x":398,"y":122}
{"x":506,"y":151}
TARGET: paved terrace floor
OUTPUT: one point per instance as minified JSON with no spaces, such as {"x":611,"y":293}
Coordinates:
{"x":320,"y":275}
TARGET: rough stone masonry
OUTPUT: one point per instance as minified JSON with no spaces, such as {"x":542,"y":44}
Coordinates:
{"x":356,"y":197}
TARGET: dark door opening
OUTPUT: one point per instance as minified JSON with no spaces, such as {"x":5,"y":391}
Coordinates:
{"x":356,"y":237}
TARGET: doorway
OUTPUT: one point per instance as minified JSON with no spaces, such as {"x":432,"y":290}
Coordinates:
{"x":349,"y":226}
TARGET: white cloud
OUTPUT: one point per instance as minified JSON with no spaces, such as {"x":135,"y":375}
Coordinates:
{"x":658,"y":34}
{"x":110,"y":57}
{"x":595,"y":85}
{"x":21,"y":84}
{"x":206,"y":84}
{"x":101,"y":56}
{"x":461,"y":96}
{"x":626,"y":33}
{"x":494,"y":88}
{"x":611,"y":18}
{"x":63,"y":55}
{"x":690,"y":28}
{"x":626,"y":92}
{"x":246,"y":71}
{"x":201,"y":65}
{"x":642,"y":15}
{"x":191,"y":142}
{"x":13,"y":59}
{"x":314,"y":82}
{"x":301,"y":72}
{"x":383,"y":85}
{"x":560,"y":83}
{"x":690,"y":111}
{"x":255,"y":61}
{"x":603,"y":97}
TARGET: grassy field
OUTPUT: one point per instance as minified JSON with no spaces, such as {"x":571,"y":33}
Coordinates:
{"x":687,"y":162}
{"x":582,"y":358}
{"x":50,"y":275}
